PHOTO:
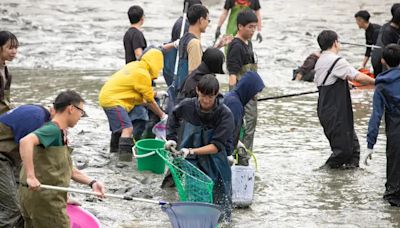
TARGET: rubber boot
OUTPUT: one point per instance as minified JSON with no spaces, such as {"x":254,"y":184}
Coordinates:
{"x":125,"y":149}
{"x":114,"y":142}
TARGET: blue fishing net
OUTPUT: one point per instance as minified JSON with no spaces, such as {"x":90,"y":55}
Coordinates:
{"x":192,"y":214}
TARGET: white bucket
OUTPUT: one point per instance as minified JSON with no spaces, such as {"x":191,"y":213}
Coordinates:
{"x":242,"y":185}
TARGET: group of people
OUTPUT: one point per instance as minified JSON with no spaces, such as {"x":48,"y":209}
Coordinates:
{"x":198,"y":117}
{"x":34,"y":144}
{"x":376,"y":37}
{"x":334,"y":109}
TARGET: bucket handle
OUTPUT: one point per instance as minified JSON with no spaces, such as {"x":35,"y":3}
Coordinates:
{"x":141,"y":155}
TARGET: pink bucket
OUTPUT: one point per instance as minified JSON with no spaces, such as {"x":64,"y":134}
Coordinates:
{"x":81,"y":218}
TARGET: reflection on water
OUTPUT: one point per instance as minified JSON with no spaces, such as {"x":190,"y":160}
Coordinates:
{"x":77,"y":44}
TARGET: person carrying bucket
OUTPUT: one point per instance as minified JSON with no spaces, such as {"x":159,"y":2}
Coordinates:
{"x":241,"y":59}
{"x":206,"y":126}
{"x":8,"y":50}
{"x":14,"y":125}
{"x":124,"y":95}
{"x":47,"y":160}
{"x":334,"y":108}
{"x":236,"y":6}
{"x":386,"y":101}
{"x":236,"y":100}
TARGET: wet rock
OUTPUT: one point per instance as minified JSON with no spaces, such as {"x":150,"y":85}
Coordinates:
{"x":121,"y":165}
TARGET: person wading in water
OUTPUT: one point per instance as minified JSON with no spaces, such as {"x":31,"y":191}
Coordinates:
{"x":335,"y":112}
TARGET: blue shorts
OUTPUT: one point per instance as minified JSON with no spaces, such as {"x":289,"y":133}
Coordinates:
{"x":119,"y":118}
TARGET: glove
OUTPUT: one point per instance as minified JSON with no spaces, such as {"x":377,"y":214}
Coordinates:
{"x":217,"y":33}
{"x":184,"y":152}
{"x":176,"y":43}
{"x":170,"y":144}
{"x":259,"y":37}
{"x":369,"y":156}
{"x":231,"y":160}
{"x":161,"y":94}
{"x":164,"y":118}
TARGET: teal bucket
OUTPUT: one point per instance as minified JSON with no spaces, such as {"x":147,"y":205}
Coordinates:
{"x":146,"y":157}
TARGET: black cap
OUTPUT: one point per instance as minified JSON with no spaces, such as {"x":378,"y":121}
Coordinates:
{"x":214,"y":59}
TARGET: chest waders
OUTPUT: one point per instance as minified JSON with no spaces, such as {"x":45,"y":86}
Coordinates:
{"x":216,"y":166}
{"x":10,"y":163}
{"x":5,"y":103}
{"x":47,"y":208}
{"x":183,"y":71}
{"x":231,"y":27}
{"x":335,"y":114}
{"x":250,"y":112}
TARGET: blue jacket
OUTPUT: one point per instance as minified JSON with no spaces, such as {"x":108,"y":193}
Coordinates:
{"x":386,"y":99}
{"x":247,"y":87}
{"x":25,"y":119}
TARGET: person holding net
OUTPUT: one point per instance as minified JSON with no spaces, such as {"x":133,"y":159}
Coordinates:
{"x":205,"y":130}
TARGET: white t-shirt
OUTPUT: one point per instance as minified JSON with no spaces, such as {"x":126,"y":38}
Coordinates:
{"x":342,"y":70}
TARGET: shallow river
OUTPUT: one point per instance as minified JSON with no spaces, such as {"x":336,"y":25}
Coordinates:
{"x":78,"y":44}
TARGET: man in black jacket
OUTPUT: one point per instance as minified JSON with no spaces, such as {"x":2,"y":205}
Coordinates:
{"x":371,"y":32}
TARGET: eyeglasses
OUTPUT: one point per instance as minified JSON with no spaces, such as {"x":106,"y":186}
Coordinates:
{"x":83,"y":113}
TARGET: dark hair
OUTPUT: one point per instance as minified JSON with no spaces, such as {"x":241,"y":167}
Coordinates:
{"x":5,"y":36}
{"x":214,"y":59}
{"x":191,"y":3}
{"x":135,"y":14}
{"x":391,"y":55}
{"x":196,"y":12}
{"x":326,"y":39}
{"x":246,"y":17}
{"x":208,"y":85}
{"x":395,"y":6}
{"x":363,"y":14}
{"x":66,"y":98}
{"x":396,"y":16}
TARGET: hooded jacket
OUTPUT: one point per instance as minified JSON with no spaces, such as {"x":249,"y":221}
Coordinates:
{"x":131,"y":85}
{"x":219,"y":119}
{"x":247,"y":87}
{"x":189,"y":85}
{"x":386,"y":99}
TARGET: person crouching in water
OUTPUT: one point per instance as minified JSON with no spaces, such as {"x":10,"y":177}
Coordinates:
{"x":387,"y":100}
{"x":335,"y":110}
{"x":123,"y":98}
{"x":46,"y":159}
{"x":206,"y":129}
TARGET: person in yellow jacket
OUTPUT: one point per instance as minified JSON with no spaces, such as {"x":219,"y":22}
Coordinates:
{"x":125,"y":95}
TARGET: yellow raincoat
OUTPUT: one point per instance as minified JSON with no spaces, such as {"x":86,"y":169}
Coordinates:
{"x":131,"y":85}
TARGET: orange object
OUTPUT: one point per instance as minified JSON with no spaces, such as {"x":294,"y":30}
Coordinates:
{"x":364,"y":71}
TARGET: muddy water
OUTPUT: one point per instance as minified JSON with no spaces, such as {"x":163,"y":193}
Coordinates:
{"x":77,"y":44}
